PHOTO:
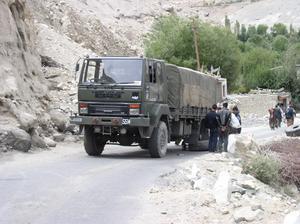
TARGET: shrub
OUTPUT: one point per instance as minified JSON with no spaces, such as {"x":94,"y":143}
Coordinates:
{"x":264,"y":167}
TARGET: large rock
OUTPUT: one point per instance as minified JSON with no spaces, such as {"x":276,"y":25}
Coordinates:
{"x":38,"y":141}
{"x":27,"y":121}
{"x":246,"y":214}
{"x":15,"y":138}
{"x":59,"y":120}
{"x":243,"y":146}
{"x":292,"y":218}
{"x":222,"y":188}
{"x":49,"y":142}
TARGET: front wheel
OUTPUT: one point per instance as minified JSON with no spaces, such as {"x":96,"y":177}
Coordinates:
{"x":158,"y":142}
{"x":93,"y":144}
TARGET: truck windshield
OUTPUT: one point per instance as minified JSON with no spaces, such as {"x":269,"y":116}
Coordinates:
{"x":113,"y":71}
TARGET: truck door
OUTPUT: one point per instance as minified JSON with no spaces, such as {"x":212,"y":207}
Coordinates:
{"x":154,"y":81}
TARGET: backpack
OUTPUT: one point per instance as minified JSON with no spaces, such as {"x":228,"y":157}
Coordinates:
{"x":289,"y":113}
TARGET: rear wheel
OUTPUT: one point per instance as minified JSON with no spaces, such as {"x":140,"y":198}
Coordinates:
{"x":93,"y":144}
{"x":158,"y":142}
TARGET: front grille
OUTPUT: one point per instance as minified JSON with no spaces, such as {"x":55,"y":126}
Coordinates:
{"x":119,"y":110}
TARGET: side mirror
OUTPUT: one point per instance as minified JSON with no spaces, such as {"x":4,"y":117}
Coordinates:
{"x":77,"y":67}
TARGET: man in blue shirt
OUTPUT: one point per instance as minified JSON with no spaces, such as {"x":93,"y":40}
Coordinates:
{"x":212,"y":124}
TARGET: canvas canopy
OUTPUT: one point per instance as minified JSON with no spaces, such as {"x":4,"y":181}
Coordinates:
{"x":187,"y":87}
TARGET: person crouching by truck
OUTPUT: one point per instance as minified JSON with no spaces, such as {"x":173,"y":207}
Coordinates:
{"x":213,"y":125}
{"x":224,"y":121}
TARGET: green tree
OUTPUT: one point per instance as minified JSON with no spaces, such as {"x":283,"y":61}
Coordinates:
{"x":251,"y":31}
{"x":280,"y":43}
{"x":279,"y":29}
{"x":292,"y":73}
{"x":258,"y":41}
{"x":237,"y":28}
{"x":262,"y":29}
{"x":257,"y":68}
{"x":243,"y":35}
{"x":227,"y":23}
{"x":171,"y":39}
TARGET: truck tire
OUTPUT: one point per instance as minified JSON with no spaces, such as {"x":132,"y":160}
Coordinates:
{"x":93,"y":145}
{"x":158,"y":142}
{"x":144,"y":144}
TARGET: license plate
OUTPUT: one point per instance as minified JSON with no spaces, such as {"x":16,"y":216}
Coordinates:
{"x":77,"y":119}
{"x":126,"y":121}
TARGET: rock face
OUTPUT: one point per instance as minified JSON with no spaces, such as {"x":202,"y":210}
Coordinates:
{"x":22,"y":86}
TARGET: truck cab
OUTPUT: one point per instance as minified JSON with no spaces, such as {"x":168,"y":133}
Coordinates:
{"x":120,"y":99}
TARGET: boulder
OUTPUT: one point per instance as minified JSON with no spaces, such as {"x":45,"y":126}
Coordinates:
{"x":27,"y":121}
{"x":71,"y":128}
{"x":168,"y":8}
{"x":59,"y":137}
{"x":222,"y":188}
{"x":49,"y":142}
{"x":15,"y":138}
{"x":38,"y":141}
{"x":292,"y":218}
{"x":59,"y":120}
{"x":246,"y":214}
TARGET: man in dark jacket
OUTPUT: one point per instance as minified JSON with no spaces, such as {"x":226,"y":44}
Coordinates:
{"x":224,"y":121}
{"x":212,"y":124}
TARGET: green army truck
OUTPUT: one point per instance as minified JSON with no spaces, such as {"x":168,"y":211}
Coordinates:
{"x":146,"y":101}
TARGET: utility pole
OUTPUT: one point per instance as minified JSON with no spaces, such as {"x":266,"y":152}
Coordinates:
{"x":196,"y":36}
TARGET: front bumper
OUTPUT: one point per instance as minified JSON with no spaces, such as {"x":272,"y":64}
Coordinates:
{"x":111,"y":121}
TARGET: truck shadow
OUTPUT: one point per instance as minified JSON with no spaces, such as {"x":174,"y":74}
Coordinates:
{"x":174,"y":152}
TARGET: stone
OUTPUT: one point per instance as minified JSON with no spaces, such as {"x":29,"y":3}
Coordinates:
{"x":27,"y":121}
{"x":70,"y":138}
{"x":38,"y":141}
{"x":222,"y":188}
{"x":292,"y":218}
{"x":237,"y":189}
{"x":246,"y":214}
{"x":59,"y":137}
{"x":248,"y":184}
{"x":59,"y":120}
{"x":71,"y":128}
{"x":168,"y":8}
{"x":49,"y":142}
{"x":15,"y":138}
{"x":205,"y":182}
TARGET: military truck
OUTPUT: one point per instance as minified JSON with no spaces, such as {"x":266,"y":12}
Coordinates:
{"x":141,"y":100}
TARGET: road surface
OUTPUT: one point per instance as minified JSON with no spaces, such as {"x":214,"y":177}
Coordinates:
{"x":64,"y":185}
{"x":67,"y":186}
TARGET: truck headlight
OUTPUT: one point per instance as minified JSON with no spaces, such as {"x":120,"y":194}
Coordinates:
{"x":134,"y":109}
{"x":83,"y":108}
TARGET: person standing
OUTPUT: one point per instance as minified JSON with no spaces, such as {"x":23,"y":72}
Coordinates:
{"x":290,"y":115}
{"x":271,"y":119}
{"x":236,"y":112}
{"x":212,"y":125}
{"x":278,"y":116}
{"x":224,"y":121}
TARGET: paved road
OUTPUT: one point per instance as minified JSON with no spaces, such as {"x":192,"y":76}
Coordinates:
{"x":67,"y":186}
